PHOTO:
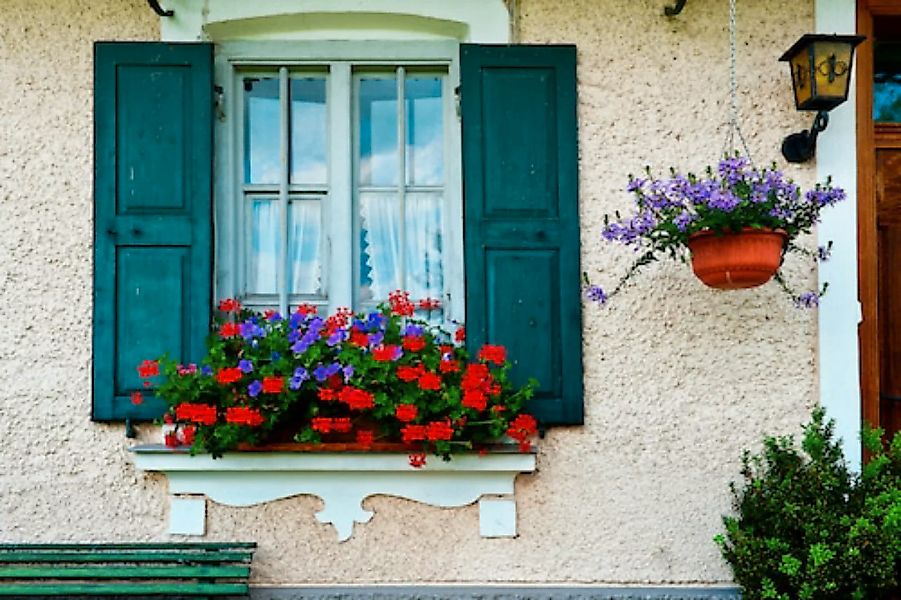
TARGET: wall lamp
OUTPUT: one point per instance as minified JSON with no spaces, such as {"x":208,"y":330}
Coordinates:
{"x":821,"y":73}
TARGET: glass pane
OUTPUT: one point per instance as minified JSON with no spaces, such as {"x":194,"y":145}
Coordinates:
{"x":378,"y":131}
{"x":423,"y":258}
{"x":262,"y":262}
{"x":887,"y":82}
{"x":308,"y":131}
{"x":261,"y":122}
{"x":425,"y":131}
{"x":379,"y":245}
{"x":304,"y":231}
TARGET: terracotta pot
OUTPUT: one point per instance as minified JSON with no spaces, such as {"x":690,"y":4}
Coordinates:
{"x":735,"y":261}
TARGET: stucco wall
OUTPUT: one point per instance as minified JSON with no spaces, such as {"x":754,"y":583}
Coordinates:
{"x":679,"y":379}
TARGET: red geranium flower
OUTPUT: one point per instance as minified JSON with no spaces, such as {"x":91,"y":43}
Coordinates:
{"x":229,"y":305}
{"x":148,"y":368}
{"x":417,"y":461}
{"x":386,"y":353}
{"x":321,"y":424}
{"x":430,"y":381}
{"x":365,"y":437}
{"x":198,"y":413}
{"x":341,"y":424}
{"x":356,"y":398}
{"x":408,"y":373}
{"x":243,"y":415}
{"x":273,"y":385}
{"x":188,"y":434}
{"x":495,"y":354}
{"x":171,"y":439}
{"x":475,"y":399}
{"x":414,"y":343}
{"x":429,"y":304}
{"x":358,"y":338}
{"x":440,"y":430}
{"x":327,"y":394}
{"x":229,"y":330}
{"x":400,"y":303}
{"x":448,"y":366}
{"x":522,"y":428}
{"x":306,"y":309}
{"x":137,"y":398}
{"x":413,"y":433}
{"x":460,"y":335}
{"x":406,"y":412}
{"x":229,"y":375}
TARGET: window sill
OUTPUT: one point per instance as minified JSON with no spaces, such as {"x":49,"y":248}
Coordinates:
{"x":341,"y":479}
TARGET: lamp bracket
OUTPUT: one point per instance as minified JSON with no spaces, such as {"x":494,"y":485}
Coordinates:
{"x":672,"y":11}
{"x":801,"y":147}
{"x":155,"y":5}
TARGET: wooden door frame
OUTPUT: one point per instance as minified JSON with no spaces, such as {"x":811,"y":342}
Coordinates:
{"x":867,"y":234}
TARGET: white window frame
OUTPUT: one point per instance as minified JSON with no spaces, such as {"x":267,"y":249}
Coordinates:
{"x":339,"y":262}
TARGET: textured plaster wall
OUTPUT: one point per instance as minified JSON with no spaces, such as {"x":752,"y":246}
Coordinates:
{"x":679,"y":379}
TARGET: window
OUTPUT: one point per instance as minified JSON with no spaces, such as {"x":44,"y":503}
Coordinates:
{"x":344,"y":176}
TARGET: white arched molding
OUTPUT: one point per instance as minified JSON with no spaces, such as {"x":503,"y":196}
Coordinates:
{"x":839,"y":313}
{"x":475,"y":21}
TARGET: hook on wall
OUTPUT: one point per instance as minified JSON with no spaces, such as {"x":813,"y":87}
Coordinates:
{"x":672,"y":11}
{"x":155,"y":5}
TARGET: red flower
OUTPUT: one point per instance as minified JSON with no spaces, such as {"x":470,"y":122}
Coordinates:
{"x":400,"y":303}
{"x":306,"y":309}
{"x":413,"y":433}
{"x":137,"y":398}
{"x":358,"y":338}
{"x":430,"y":381}
{"x":448,"y":366}
{"x":406,"y":412}
{"x":386,"y":353}
{"x":440,"y":430}
{"x":408,"y":373}
{"x":198,"y":413}
{"x":445,"y":350}
{"x":168,"y":419}
{"x":229,"y":330}
{"x":335,"y":381}
{"x":229,"y":305}
{"x":147,"y":384}
{"x":321,"y":424}
{"x":417,"y":461}
{"x":460,"y":335}
{"x":495,"y":389}
{"x":171,"y":439}
{"x":429,"y":304}
{"x":228,"y":375}
{"x":341,"y":424}
{"x":243,"y":415}
{"x":525,"y":446}
{"x":365,"y":437}
{"x":522,"y":428}
{"x":327,"y":394}
{"x":414,"y":343}
{"x":495,"y":354}
{"x":188,"y":434}
{"x":475,"y":399}
{"x":476,"y":377}
{"x":498,"y":409}
{"x":148,"y":368}
{"x":273,"y":385}
{"x":356,"y":398}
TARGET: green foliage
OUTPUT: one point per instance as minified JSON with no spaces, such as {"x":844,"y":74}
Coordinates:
{"x":808,"y":528}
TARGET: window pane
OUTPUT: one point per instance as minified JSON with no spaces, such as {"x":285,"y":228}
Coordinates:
{"x":425,"y":131}
{"x":379,"y":245}
{"x":423,"y":233}
{"x":304,"y":231}
{"x":887,"y":82}
{"x":262,"y":264}
{"x":378,"y":131}
{"x":261,"y":122}
{"x":308,"y":131}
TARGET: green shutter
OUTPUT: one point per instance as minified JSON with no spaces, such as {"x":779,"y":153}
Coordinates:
{"x":520,"y":188}
{"x":152,"y":214}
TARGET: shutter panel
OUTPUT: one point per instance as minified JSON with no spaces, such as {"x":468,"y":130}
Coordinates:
{"x":521,"y":218}
{"x":152,"y":214}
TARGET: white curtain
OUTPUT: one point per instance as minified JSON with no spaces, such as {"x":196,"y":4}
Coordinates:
{"x":425,"y":277}
{"x":304,"y":232}
{"x":262,"y":276}
{"x":381,"y":243}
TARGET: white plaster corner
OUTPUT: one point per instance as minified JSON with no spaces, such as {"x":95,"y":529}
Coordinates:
{"x":497,"y":518}
{"x":342,"y":480}
{"x":187,"y":516}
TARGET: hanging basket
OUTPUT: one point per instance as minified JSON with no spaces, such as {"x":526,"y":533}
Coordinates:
{"x":736,"y":261}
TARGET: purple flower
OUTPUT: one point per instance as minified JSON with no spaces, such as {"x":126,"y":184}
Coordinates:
{"x":824,"y":253}
{"x":322,"y":372}
{"x":300,"y":375}
{"x":596,"y":294}
{"x":808,"y":300}
{"x":245,"y":365}
{"x":301,"y":345}
{"x":254,"y":389}
{"x":336,"y":338}
{"x":684,"y":219}
{"x":376,"y":321}
{"x":206,"y":371}
{"x":414,"y":330}
{"x":250,"y":330}
{"x":376,"y":338}
{"x":348,"y":373}
{"x":274,"y":316}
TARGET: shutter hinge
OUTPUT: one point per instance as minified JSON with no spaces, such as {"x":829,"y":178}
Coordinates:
{"x":130,"y":428}
{"x":219,"y":102}
{"x":457,"y":108}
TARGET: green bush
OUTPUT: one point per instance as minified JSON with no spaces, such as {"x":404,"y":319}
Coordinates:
{"x":806,"y":527}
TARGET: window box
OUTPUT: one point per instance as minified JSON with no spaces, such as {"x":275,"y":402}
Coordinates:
{"x":341,"y":479}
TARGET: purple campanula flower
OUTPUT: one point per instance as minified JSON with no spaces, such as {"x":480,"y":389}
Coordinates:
{"x":300,"y":375}
{"x":336,"y":338}
{"x":684,"y":219}
{"x":254,"y":389}
{"x":376,"y":338}
{"x":348,"y":373}
{"x":245,"y":365}
{"x":206,"y":371}
{"x":274,"y":316}
{"x":320,"y":373}
{"x":250,"y":330}
{"x":596,"y":294}
{"x":375,"y":321}
{"x":808,"y":300}
{"x":824,"y":253}
{"x":414,"y":330}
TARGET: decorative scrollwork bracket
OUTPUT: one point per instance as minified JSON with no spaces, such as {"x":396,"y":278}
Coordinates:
{"x":672,"y":11}
{"x":155,"y":5}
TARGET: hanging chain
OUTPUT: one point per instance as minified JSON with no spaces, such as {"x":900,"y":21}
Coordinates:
{"x":734,"y":129}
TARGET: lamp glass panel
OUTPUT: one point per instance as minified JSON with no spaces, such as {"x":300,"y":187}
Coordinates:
{"x":832,"y":82}
{"x":800,"y":65}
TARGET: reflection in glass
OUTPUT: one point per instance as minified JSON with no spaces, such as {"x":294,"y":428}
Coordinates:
{"x":378,"y":131}
{"x":262,"y":264}
{"x":304,"y":231}
{"x":887,"y":82}
{"x":261,"y":127}
{"x":379,"y":245}
{"x":308,"y":131}
{"x":422,"y":230}
{"x":425,"y":131}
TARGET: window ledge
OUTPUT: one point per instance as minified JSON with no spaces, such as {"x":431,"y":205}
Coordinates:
{"x":341,"y":479}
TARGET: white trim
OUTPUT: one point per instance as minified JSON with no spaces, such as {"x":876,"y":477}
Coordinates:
{"x":342,"y":480}
{"x":839,"y":313}
{"x":475,"y":21}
